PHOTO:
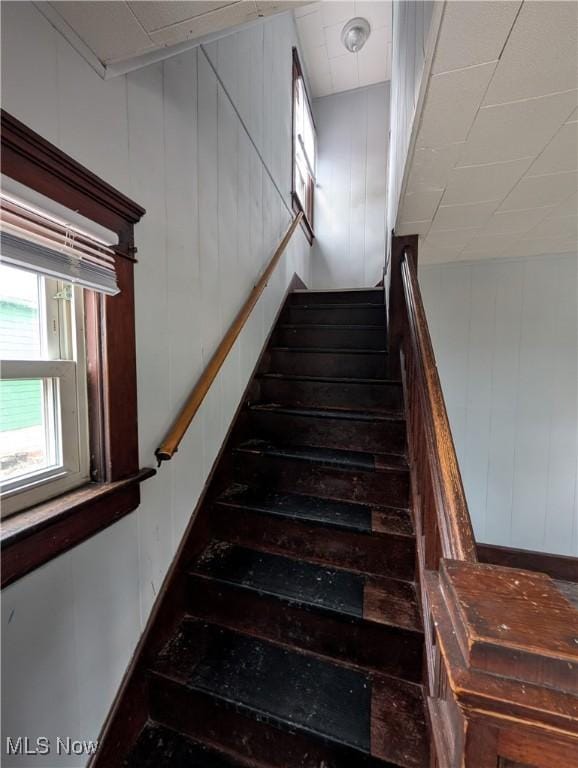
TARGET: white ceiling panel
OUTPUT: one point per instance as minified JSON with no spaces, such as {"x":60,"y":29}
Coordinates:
{"x":561,"y":154}
{"x":119,"y":32}
{"x":517,"y":129}
{"x":109,"y":29}
{"x":320,"y":25}
{"x":337,"y":12}
{"x":468,"y":216}
{"x":541,"y":56}
{"x":370,"y":61}
{"x":492,"y":22}
{"x":516,"y":222}
{"x":508,"y":154}
{"x":556,"y":227}
{"x":421,"y":204}
{"x":487,"y":246}
{"x":214,"y":21}
{"x":465,"y":87}
{"x":538,"y":191}
{"x":156,"y":15}
{"x":472,"y":183}
{"x":431,"y":166}
{"x":345,"y":72}
{"x":568,"y":207}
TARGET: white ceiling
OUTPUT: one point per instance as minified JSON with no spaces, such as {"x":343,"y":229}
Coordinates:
{"x":116,"y":31}
{"x":330,"y":67}
{"x":495,"y":167}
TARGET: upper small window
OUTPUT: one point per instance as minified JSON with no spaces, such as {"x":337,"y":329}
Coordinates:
{"x":304,"y":146}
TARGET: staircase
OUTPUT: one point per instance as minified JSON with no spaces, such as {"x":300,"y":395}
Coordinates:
{"x":300,"y":643}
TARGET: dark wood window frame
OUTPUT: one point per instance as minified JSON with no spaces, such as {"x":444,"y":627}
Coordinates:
{"x":307,"y":221}
{"x":32,"y":537}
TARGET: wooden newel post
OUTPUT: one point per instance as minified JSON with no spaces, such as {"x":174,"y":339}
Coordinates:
{"x":395,"y":299}
{"x":507,"y":653}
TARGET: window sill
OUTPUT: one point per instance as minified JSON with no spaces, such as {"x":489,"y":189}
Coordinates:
{"x":33,"y":537}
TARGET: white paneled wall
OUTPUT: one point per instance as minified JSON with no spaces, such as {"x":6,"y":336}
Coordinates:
{"x":169,"y":137}
{"x":505,"y":334}
{"x":352,"y":131}
{"x":412,"y":34}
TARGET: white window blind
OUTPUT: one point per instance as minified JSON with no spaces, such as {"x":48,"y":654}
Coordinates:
{"x":36,"y":240}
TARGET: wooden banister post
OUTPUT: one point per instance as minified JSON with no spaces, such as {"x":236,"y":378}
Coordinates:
{"x":395,"y":299}
{"x":507,"y":651}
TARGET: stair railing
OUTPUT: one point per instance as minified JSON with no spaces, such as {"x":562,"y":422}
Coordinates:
{"x":443,"y":509}
{"x":501,"y":644}
{"x":173,"y":437}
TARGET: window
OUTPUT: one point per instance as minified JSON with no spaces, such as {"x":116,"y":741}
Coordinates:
{"x":43,"y":397}
{"x":304,"y":147}
{"x":67,"y":333}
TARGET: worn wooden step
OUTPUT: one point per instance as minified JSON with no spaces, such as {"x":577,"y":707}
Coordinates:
{"x":340,"y":515}
{"x":283,"y":707}
{"x":330,"y":428}
{"x":321,"y":391}
{"x":340,"y":314}
{"x":324,"y":472}
{"x":161,"y":747}
{"x":351,"y":296}
{"x":284,"y":524}
{"x":331,"y":613}
{"x":348,"y":363}
{"x":360,"y":337}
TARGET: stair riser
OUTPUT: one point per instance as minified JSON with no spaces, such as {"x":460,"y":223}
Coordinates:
{"x":200,"y":716}
{"x":329,"y":364}
{"x":323,"y":432}
{"x":369,"y":296}
{"x":381,"y":555}
{"x":389,"y":650}
{"x":370,"y":397}
{"x":296,"y":476}
{"x":352,"y":315}
{"x":319,"y":337}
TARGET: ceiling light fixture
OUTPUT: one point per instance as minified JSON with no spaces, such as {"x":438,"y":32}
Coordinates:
{"x":355,"y":33}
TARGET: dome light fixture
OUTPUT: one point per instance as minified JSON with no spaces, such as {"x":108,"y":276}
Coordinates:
{"x":355,"y":33}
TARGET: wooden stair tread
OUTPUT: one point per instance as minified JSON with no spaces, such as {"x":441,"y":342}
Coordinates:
{"x":331,"y":350}
{"x":283,"y":687}
{"x":329,"y":413}
{"x":362,"y":518}
{"x":161,"y":747}
{"x":333,"y":326}
{"x":349,"y":305}
{"x":284,"y":577}
{"x":329,"y":379}
{"x":350,"y":515}
{"x":338,"y":590}
{"x":349,"y":296}
{"x":328,"y":457}
{"x":295,"y":692}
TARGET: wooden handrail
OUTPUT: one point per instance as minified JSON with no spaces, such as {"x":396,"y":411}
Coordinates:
{"x":453,"y":518}
{"x":170,"y":444}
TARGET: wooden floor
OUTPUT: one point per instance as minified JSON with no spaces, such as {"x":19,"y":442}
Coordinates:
{"x":300,"y":644}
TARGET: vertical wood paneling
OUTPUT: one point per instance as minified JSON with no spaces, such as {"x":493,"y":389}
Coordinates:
{"x":352,"y":133}
{"x":412,"y":25}
{"x":505,"y":335}
{"x":168,"y":136}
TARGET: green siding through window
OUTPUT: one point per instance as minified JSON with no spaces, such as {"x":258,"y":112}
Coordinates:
{"x":20,"y":399}
{"x":20,"y":403}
